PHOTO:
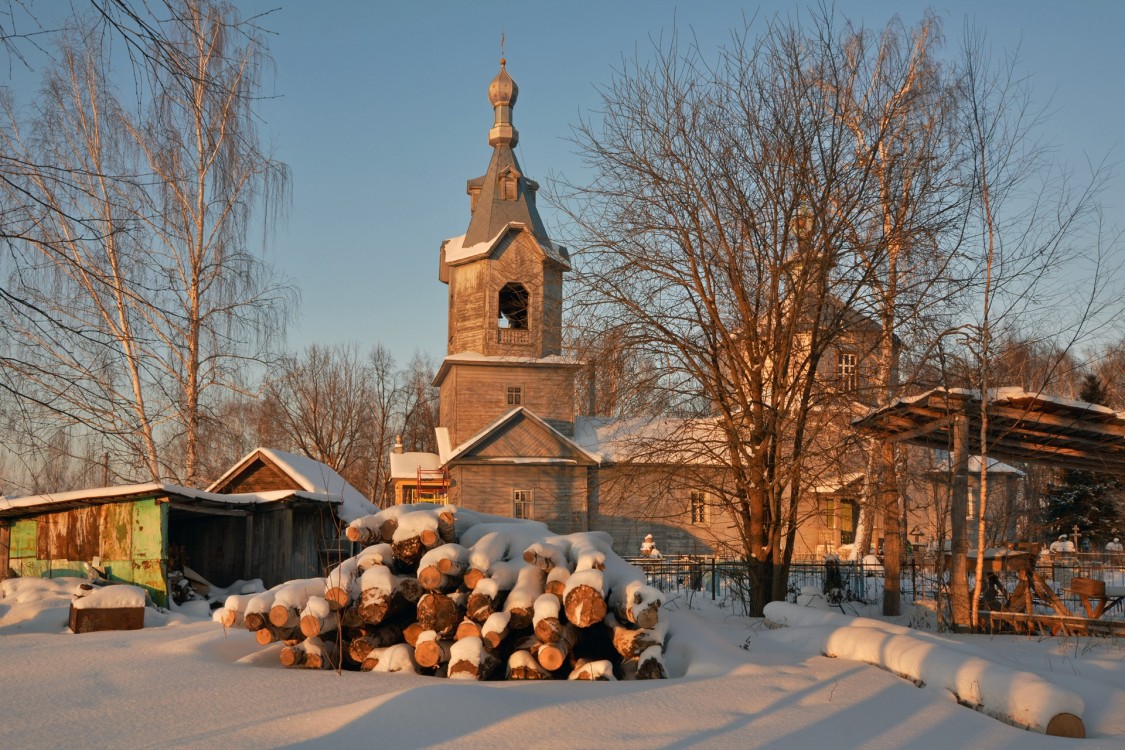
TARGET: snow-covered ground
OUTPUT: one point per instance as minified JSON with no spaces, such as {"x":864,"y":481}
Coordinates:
{"x":185,"y":682}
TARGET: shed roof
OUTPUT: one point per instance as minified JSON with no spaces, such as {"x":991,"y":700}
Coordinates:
{"x":1022,"y":426}
{"x":56,"y":502}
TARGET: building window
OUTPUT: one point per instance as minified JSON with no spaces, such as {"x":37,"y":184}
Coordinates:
{"x":700,"y":514}
{"x":849,"y":517}
{"x":515,"y":395}
{"x":521,"y":504}
{"x":847,"y":369}
{"x":830,"y":514}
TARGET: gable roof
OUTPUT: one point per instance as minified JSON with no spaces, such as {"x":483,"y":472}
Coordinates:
{"x":307,"y":474}
{"x":520,"y":415}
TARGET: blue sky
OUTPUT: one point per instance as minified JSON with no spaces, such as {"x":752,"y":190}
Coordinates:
{"x":382,"y":114}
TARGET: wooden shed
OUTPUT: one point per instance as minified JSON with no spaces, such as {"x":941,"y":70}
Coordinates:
{"x":139,"y":533}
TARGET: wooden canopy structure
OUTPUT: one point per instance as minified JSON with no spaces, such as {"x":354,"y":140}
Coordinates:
{"x":1022,"y":426}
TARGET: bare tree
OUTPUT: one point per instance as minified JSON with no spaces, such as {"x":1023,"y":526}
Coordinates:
{"x":137,"y":300}
{"x":346,"y":408}
{"x":323,"y":399}
{"x":419,"y":407}
{"x":716,"y":236}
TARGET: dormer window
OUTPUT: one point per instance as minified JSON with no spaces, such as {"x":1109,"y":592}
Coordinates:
{"x":508,"y":186}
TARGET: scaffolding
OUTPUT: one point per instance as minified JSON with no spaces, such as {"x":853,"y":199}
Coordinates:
{"x":432,"y":486}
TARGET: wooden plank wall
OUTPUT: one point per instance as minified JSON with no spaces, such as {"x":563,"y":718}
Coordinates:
{"x":211,"y":545}
{"x":258,"y":477}
{"x":631,"y":501}
{"x":559,"y":492}
{"x":479,"y":396}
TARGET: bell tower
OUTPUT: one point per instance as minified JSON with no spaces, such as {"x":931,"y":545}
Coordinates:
{"x":505,"y":278}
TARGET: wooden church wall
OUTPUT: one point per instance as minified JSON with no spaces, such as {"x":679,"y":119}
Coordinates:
{"x":477,"y":396}
{"x":559,"y":492}
{"x":630,"y":501}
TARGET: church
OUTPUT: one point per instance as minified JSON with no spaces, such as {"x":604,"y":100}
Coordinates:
{"x":516,"y":438}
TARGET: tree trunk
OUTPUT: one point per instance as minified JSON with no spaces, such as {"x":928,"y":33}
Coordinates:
{"x":958,"y":516}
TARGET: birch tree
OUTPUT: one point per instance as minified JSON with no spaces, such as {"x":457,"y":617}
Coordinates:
{"x":136,"y":298}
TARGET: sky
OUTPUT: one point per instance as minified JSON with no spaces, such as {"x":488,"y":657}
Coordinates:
{"x":381,"y":111}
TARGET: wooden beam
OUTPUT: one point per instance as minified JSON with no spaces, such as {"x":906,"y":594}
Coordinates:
{"x":217,"y":510}
{"x":942,"y":423}
{"x":1054,"y":420}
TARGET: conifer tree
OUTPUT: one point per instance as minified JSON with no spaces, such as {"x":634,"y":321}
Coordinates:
{"x":1084,"y":499}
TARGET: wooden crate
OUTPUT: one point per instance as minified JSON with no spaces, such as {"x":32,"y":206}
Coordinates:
{"x":91,"y":620}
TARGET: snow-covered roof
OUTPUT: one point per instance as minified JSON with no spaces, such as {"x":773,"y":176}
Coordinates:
{"x":1005,"y":395}
{"x":93,"y":495}
{"x":312,"y":476}
{"x":457,"y":252}
{"x":663,"y":440}
{"x":995,"y":466}
{"x":836,"y":483}
{"x":1021,"y":426}
{"x":406,"y":465}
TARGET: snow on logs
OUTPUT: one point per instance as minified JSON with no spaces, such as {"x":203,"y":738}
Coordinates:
{"x":1016,"y":697}
{"x":443,"y":592}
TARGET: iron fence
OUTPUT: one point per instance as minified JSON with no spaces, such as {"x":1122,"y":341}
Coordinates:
{"x":858,"y":582}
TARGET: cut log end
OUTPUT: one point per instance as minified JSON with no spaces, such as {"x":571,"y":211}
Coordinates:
{"x":337,"y":598}
{"x":585,"y":606}
{"x":1066,"y":725}
{"x":473,"y":577}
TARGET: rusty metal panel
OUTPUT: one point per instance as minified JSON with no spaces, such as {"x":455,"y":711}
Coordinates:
{"x":71,"y":535}
{"x":117,"y":531}
{"x":5,"y":544}
{"x":127,"y":537}
{"x":148,"y":558}
{"x":21,"y":545}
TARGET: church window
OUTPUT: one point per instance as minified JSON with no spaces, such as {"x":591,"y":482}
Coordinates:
{"x":514,"y":306}
{"x":847,"y":369}
{"x":521,"y":504}
{"x":699,"y":512}
{"x":515,"y":395}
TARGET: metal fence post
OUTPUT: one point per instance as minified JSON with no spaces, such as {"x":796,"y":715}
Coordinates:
{"x":714,"y":580}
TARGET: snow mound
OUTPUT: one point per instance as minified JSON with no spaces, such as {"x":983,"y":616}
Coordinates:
{"x":109,"y":597}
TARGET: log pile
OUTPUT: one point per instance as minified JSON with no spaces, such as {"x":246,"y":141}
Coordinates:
{"x":457,"y":594}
